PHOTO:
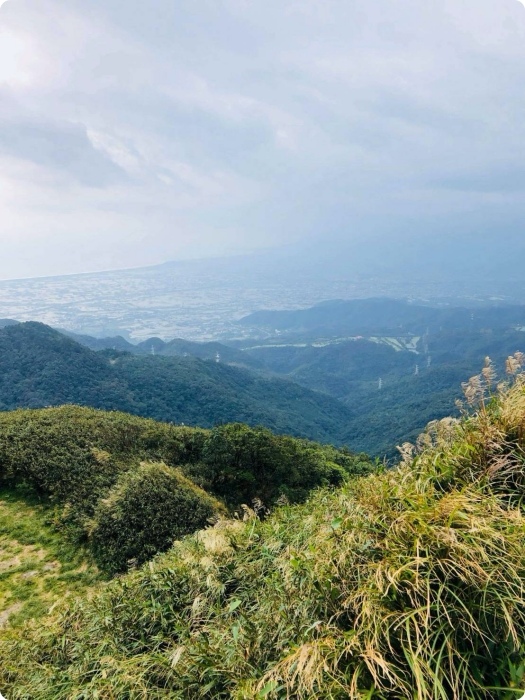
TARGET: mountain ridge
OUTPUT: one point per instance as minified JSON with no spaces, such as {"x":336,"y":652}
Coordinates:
{"x":41,"y":367}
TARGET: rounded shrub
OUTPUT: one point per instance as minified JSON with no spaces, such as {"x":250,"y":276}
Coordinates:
{"x":144,"y":513}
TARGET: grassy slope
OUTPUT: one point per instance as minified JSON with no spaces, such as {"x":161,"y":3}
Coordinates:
{"x":37,"y":565}
{"x":402,"y":584}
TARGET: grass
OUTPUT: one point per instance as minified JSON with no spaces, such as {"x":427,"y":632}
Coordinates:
{"x":403,"y":585}
{"x":38,"y":566}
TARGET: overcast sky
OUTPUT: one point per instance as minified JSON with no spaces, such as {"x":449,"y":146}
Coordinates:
{"x":137,"y":132}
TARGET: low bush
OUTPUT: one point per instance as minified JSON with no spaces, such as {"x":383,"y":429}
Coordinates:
{"x":238,"y":463}
{"x":144,"y":513}
{"x":75,"y":455}
{"x":87,"y":463}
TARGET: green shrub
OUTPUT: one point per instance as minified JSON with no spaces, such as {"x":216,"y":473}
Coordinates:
{"x":404,"y":584}
{"x":239,"y":463}
{"x":74,"y":455}
{"x":144,"y":513}
{"x":78,"y":458}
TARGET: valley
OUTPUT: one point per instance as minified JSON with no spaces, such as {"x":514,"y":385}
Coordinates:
{"x":330,"y":372}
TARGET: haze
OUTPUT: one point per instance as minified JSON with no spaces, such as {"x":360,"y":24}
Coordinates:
{"x":134,"y":133}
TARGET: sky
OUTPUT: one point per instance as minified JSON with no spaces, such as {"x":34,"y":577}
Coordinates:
{"x":132,"y":133}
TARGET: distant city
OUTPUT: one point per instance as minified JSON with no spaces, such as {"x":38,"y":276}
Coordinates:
{"x":203,"y":300}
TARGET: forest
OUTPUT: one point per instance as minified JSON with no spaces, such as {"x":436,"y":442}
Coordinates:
{"x":323,"y":386}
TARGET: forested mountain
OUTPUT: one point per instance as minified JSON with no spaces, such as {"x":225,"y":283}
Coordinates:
{"x":410,"y":377}
{"x":205,"y":351}
{"x":368,"y":394}
{"x":113,"y":343}
{"x":392,"y":394}
{"x":401,"y":367}
{"x":41,"y":367}
{"x":172,"y":348}
{"x":7,"y":322}
{"x":383,"y":317}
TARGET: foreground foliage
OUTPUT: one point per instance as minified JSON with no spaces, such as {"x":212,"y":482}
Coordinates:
{"x":405,"y":584}
{"x":144,"y":513}
{"x":87,"y":463}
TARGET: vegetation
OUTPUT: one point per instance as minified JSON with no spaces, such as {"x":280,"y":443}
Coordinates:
{"x":142,"y":515}
{"x":38,"y":566}
{"x":175,"y":347}
{"x":40,"y":367}
{"x":326,"y":391}
{"x":406,"y":583}
{"x":100,"y":470}
{"x":336,"y":350}
{"x":349,"y":370}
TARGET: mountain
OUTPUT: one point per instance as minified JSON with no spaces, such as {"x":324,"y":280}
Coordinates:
{"x":114,"y":343}
{"x":41,"y":367}
{"x":374,"y":380}
{"x":205,"y":351}
{"x":404,"y":583}
{"x":336,"y":368}
{"x":385,"y":357}
{"x":215,"y":351}
{"x":336,"y":392}
{"x":382,"y":317}
{"x":413,"y":374}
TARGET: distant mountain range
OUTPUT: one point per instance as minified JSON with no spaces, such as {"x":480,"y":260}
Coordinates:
{"x":172,"y":348}
{"x":382,"y":317}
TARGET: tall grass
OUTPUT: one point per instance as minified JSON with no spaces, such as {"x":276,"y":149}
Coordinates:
{"x":407,"y":584}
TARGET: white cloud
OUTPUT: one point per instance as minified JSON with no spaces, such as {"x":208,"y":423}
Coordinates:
{"x":235,"y":123}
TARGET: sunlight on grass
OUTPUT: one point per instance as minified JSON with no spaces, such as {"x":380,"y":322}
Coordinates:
{"x":38,"y":566}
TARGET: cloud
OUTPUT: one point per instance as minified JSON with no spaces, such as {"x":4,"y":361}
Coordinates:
{"x":228,"y":125}
{"x":59,"y":148}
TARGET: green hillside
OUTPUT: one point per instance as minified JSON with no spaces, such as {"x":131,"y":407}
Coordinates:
{"x":41,"y":367}
{"x":326,"y":391}
{"x":407,"y":583}
{"x":416,"y":387}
